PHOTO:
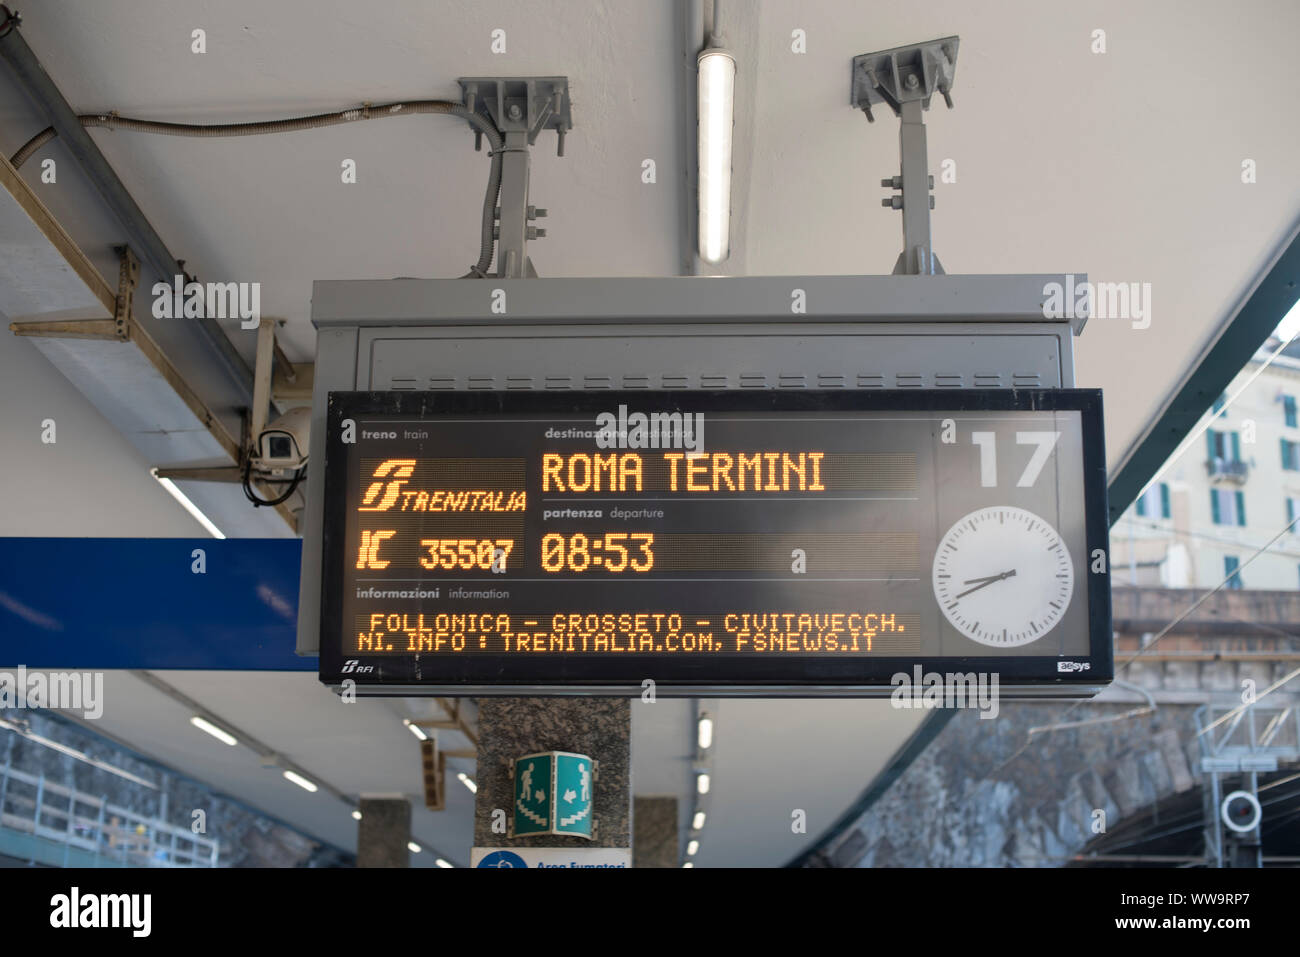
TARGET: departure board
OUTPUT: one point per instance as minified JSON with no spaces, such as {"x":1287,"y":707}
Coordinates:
{"x":742,"y":542}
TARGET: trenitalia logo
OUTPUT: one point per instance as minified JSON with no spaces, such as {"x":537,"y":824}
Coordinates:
{"x":398,"y":470}
{"x":389,"y":492}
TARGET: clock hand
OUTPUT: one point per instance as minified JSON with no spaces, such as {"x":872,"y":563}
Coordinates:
{"x":984,"y":582}
{"x":986,"y":578}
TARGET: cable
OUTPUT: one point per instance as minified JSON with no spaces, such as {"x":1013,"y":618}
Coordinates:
{"x":481,"y":124}
{"x":294,"y":482}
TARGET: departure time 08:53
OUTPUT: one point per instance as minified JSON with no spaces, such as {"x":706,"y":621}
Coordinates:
{"x":615,"y":552}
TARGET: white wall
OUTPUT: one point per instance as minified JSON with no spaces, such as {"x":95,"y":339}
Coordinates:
{"x":90,"y":482}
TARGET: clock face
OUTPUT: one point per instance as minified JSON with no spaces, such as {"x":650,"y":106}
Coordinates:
{"x":1003,"y":576}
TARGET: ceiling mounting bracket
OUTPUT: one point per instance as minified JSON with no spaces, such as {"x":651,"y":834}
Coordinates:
{"x":522,"y":108}
{"x":904,"y":79}
{"x":128,"y":277}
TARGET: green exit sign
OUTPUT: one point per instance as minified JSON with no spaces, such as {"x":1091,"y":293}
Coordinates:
{"x":553,"y":794}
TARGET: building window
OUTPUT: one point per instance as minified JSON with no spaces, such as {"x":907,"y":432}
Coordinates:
{"x":1224,"y":445}
{"x":1220,"y":402}
{"x":1290,"y":456}
{"x":1292,"y":509}
{"x":1154,"y":502}
{"x":1288,"y":409}
{"x":1227,"y":507}
{"x":1230,"y":566}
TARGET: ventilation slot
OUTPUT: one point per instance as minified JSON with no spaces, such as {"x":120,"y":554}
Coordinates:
{"x":636,"y":382}
{"x":559,"y":382}
{"x":402,"y":385}
{"x":482,"y":382}
{"x":792,"y":382}
{"x":830,"y":382}
{"x":947,"y":380}
{"x":1026,"y":380}
{"x":909,"y":380}
{"x":871,"y":382}
{"x":988,"y":380}
{"x":713,"y":382}
{"x":519,"y":382}
{"x":598,"y":382}
{"x":753,"y":381}
{"x":440,"y":382}
{"x":676,"y":382}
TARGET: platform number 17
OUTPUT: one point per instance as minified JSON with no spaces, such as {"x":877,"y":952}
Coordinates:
{"x":1045,"y":442}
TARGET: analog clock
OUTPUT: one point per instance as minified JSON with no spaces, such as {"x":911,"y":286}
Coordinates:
{"x":1003,"y":576}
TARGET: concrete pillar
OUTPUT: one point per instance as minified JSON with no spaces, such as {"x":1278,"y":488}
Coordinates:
{"x":509,"y":728}
{"x":654,"y":832}
{"x":384,"y":832}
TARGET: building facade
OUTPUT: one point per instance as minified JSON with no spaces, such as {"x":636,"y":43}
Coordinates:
{"x":1233,"y":488}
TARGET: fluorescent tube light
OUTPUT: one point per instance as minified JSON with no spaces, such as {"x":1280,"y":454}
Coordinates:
{"x":301,"y":781}
{"x":189,"y":506}
{"x":716,"y":108}
{"x":705,"y":729}
{"x":213,"y":730}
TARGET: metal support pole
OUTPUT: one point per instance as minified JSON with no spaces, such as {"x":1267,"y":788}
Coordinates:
{"x":512,"y":227}
{"x":1216,"y":799}
{"x":521,"y":108}
{"x":4,"y":782}
{"x":905,"y":79}
{"x":99,"y":828}
{"x":67,"y":825}
{"x":262,"y":378}
{"x":917,"y":258}
{"x":40,"y":799}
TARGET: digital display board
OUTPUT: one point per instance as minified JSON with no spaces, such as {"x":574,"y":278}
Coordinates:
{"x":764,"y":542}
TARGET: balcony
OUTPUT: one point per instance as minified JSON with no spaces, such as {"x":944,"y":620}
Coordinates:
{"x":1233,"y":470}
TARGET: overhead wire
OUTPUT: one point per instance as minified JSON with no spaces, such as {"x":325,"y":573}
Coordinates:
{"x":481,"y":124}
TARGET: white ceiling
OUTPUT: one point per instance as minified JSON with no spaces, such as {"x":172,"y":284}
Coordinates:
{"x":1124,"y":165}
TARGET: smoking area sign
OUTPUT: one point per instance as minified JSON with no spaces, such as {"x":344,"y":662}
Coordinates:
{"x":551,"y":858}
{"x":553,"y":794}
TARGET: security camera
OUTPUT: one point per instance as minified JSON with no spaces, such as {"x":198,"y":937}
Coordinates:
{"x":279,"y":458}
{"x":283,"y":445}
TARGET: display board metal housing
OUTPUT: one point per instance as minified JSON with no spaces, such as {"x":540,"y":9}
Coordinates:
{"x":752,"y":334}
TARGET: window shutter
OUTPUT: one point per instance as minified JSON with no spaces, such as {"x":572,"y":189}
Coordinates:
{"x":1236,"y":447}
{"x":1164,"y":500}
{"x":1290,"y":510}
{"x":1241,"y":508}
{"x":1214,"y":506}
{"x":1288,"y":403}
{"x":1210,"y":444}
{"x":1142,"y":506}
